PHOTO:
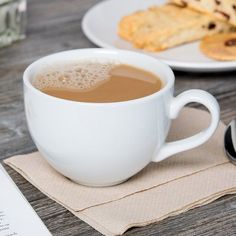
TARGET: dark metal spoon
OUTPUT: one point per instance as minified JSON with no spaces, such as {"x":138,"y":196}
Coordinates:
{"x":230,"y":141}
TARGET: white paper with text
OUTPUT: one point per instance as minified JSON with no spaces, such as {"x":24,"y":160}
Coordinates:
{"x":17,"y":217}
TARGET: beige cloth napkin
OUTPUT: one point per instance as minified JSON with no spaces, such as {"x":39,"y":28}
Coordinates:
{"x":185,"y":181}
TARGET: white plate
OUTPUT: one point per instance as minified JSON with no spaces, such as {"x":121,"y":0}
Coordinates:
{"x":100,"y":26}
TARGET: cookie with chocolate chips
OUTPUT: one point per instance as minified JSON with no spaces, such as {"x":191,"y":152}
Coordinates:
{"x":220,"y":46}
{"x":166,"y":26}
{"x":221,"y":9}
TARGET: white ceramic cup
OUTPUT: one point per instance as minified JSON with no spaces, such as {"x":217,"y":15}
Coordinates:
{"x":103,"y":144}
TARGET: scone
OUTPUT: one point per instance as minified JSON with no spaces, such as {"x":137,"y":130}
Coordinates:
{"x":220,"y":46}
{"x":163,"y":27}
{"x":221,"y":9}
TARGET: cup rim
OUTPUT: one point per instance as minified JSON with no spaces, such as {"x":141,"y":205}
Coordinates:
{"x":167,"y":86}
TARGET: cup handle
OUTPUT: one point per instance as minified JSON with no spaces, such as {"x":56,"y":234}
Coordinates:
{"x":194,"y":95}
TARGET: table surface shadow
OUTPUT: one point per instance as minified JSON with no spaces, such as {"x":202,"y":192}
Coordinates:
{"x":55,"y":26}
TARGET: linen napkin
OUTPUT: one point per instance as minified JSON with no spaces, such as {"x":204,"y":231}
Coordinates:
{"x":185,"y":181}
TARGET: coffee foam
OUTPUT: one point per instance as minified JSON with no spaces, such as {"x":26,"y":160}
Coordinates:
{"x":76,"y":75}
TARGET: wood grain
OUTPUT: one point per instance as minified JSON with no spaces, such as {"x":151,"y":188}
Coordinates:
{"x":55,"y":26}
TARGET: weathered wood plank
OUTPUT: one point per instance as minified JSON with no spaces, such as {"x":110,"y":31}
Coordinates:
{"x":55,"y":26}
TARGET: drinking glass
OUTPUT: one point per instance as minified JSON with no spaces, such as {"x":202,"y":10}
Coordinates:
{"x":12,"y":21}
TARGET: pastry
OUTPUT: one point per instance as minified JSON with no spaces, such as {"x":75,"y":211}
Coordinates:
{"x":221,"y":9}
{"x":220,"y":46}
{"x":169,"y":25}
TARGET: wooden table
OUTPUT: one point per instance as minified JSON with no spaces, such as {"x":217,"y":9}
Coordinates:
{"x":55,"y":26}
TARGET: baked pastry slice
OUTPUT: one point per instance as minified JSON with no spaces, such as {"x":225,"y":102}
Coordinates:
{"x":221,"y":9}
{"x":163,"y":27}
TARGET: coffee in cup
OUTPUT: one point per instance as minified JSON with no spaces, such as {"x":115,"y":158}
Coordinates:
{"x":104,"y":141}
{"x":95,"y":82}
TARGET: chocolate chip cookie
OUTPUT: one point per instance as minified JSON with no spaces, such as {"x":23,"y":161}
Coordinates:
{"x":220,"y":46}
{"x":166,"y":26}
{"x":221,"y":9}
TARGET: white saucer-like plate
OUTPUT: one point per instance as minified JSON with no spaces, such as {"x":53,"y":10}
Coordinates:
{"x":100,"y":26}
